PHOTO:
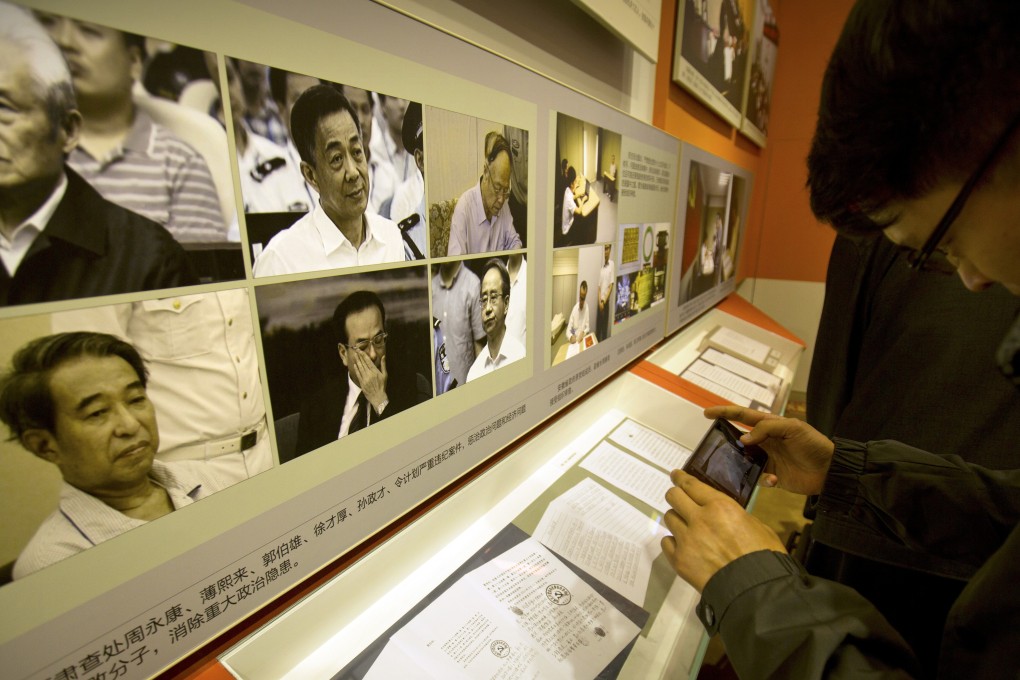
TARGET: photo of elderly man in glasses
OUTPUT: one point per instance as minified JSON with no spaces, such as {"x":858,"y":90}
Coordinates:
{"x":482,"y":222}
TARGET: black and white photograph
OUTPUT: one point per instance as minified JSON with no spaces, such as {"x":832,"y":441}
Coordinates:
{"x":477,"y":184}
{"x":119,"y":164}
{"x":344,"y":353}
{"x":586,"y":187}
{"x":121,"y":414}
{"x":479,"y":308}
{"x":329,"y":178}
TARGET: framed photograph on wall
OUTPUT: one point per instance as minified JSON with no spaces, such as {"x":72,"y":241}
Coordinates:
{"x":710,"y":57}
{"x":764,"y":48}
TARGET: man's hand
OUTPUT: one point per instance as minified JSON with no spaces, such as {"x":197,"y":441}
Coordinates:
{"x":371,"y":379}
{"x":710,"y":530}
{"x":799,"y":455}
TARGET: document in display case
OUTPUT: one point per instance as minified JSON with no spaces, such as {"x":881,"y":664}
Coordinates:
{"x":734,"y":354}
{"x":558,"y":573}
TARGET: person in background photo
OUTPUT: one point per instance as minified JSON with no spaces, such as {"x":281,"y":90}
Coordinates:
{"x":269,"y":180}
{"x":61,"y":239}
{"x":408,"y":207}
{"x":128,"y":158}
{"x":455,"y":291}
{"x":338,"y":232}
{"x":607,"y":281}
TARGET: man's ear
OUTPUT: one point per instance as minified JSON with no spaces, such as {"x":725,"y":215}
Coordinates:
{"x":40,"y":442}
{"x":342,"y":351}
{"x":308,"y":172}
{"x":69,"y":131}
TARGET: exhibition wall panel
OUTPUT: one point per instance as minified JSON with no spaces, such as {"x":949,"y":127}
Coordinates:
{"x":311,"y":292}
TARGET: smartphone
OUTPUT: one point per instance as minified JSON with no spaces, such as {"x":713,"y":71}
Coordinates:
{"x":725,"y":463}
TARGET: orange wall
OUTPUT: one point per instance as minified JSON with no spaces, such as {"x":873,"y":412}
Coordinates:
{"x":783,"y":240}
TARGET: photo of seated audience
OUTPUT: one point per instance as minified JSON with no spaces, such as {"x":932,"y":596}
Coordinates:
{"x":586,"y":187}
{"x":114,"y":421}
{"x":344,"y":353}
{"x":470,"y":174}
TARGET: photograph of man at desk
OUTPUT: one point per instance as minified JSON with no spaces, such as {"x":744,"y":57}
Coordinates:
{"x":585,"y":190}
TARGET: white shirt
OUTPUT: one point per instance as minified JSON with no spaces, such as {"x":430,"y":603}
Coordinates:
{"x":509,"y":351}
{"x":314,"y":243}
{"x":82,"y":520}
{"x":14,"y":249}
{"x":269,"y":180}
{"x":569,"y":206}
{"x":382,"y":185}
{"x":517,"y":312}
{"x":578,"y":326}
{"x":203,"y":368}
{"x":607,"y":278}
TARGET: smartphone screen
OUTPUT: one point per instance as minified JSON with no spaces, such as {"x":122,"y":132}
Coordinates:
{"x":725,"y":463}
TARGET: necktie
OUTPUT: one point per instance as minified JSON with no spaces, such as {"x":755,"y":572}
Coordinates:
{"x":360,"y":419}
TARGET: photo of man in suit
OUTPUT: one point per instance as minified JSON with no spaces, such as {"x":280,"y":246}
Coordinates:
{"x":368,"y":389}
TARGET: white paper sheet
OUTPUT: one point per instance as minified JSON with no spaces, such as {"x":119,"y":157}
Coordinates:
{"x":523,"y":614}
{"x":732,"y":381}
{"x":738,"y":343}
{"x":604,"y":535}
{"x":626,"y":472}
{"x":716,"y":388}
{"x":650,"y":445}
{"x":743,"y":369}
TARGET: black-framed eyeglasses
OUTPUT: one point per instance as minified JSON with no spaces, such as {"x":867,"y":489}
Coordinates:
{"x":929,"y":257}
{"x":378,"y":341}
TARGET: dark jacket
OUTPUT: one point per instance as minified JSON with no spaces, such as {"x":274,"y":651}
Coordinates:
{"x":94,"y":247}
{"x":321,"y":413}
{"x":905,"y":507}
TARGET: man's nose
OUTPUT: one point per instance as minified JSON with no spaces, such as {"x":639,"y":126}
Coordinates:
{"x":972,"y":279}
{"x":127,"y":422}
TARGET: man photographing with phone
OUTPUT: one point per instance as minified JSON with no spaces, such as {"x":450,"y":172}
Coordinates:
{"x":937,"y":171}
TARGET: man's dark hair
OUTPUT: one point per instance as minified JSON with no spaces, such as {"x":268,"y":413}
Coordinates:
{"x":496,"y":263}
{"x":278,"y":84}
{"x":135,"y":40}
{"x":355,"y":302}
{"x":584,"y":286}
{"x":571,"y":175}
{"x":312,"y":106}
{"x":25,"y":399}
{"x":916,"y":93}
{"x":411,"y":132}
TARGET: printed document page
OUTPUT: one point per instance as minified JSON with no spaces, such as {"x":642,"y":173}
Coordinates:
{"x":524,"y":614}
{"x":604,"y":535}
{"x":626,"y":472}
{"x":650,"y":445}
